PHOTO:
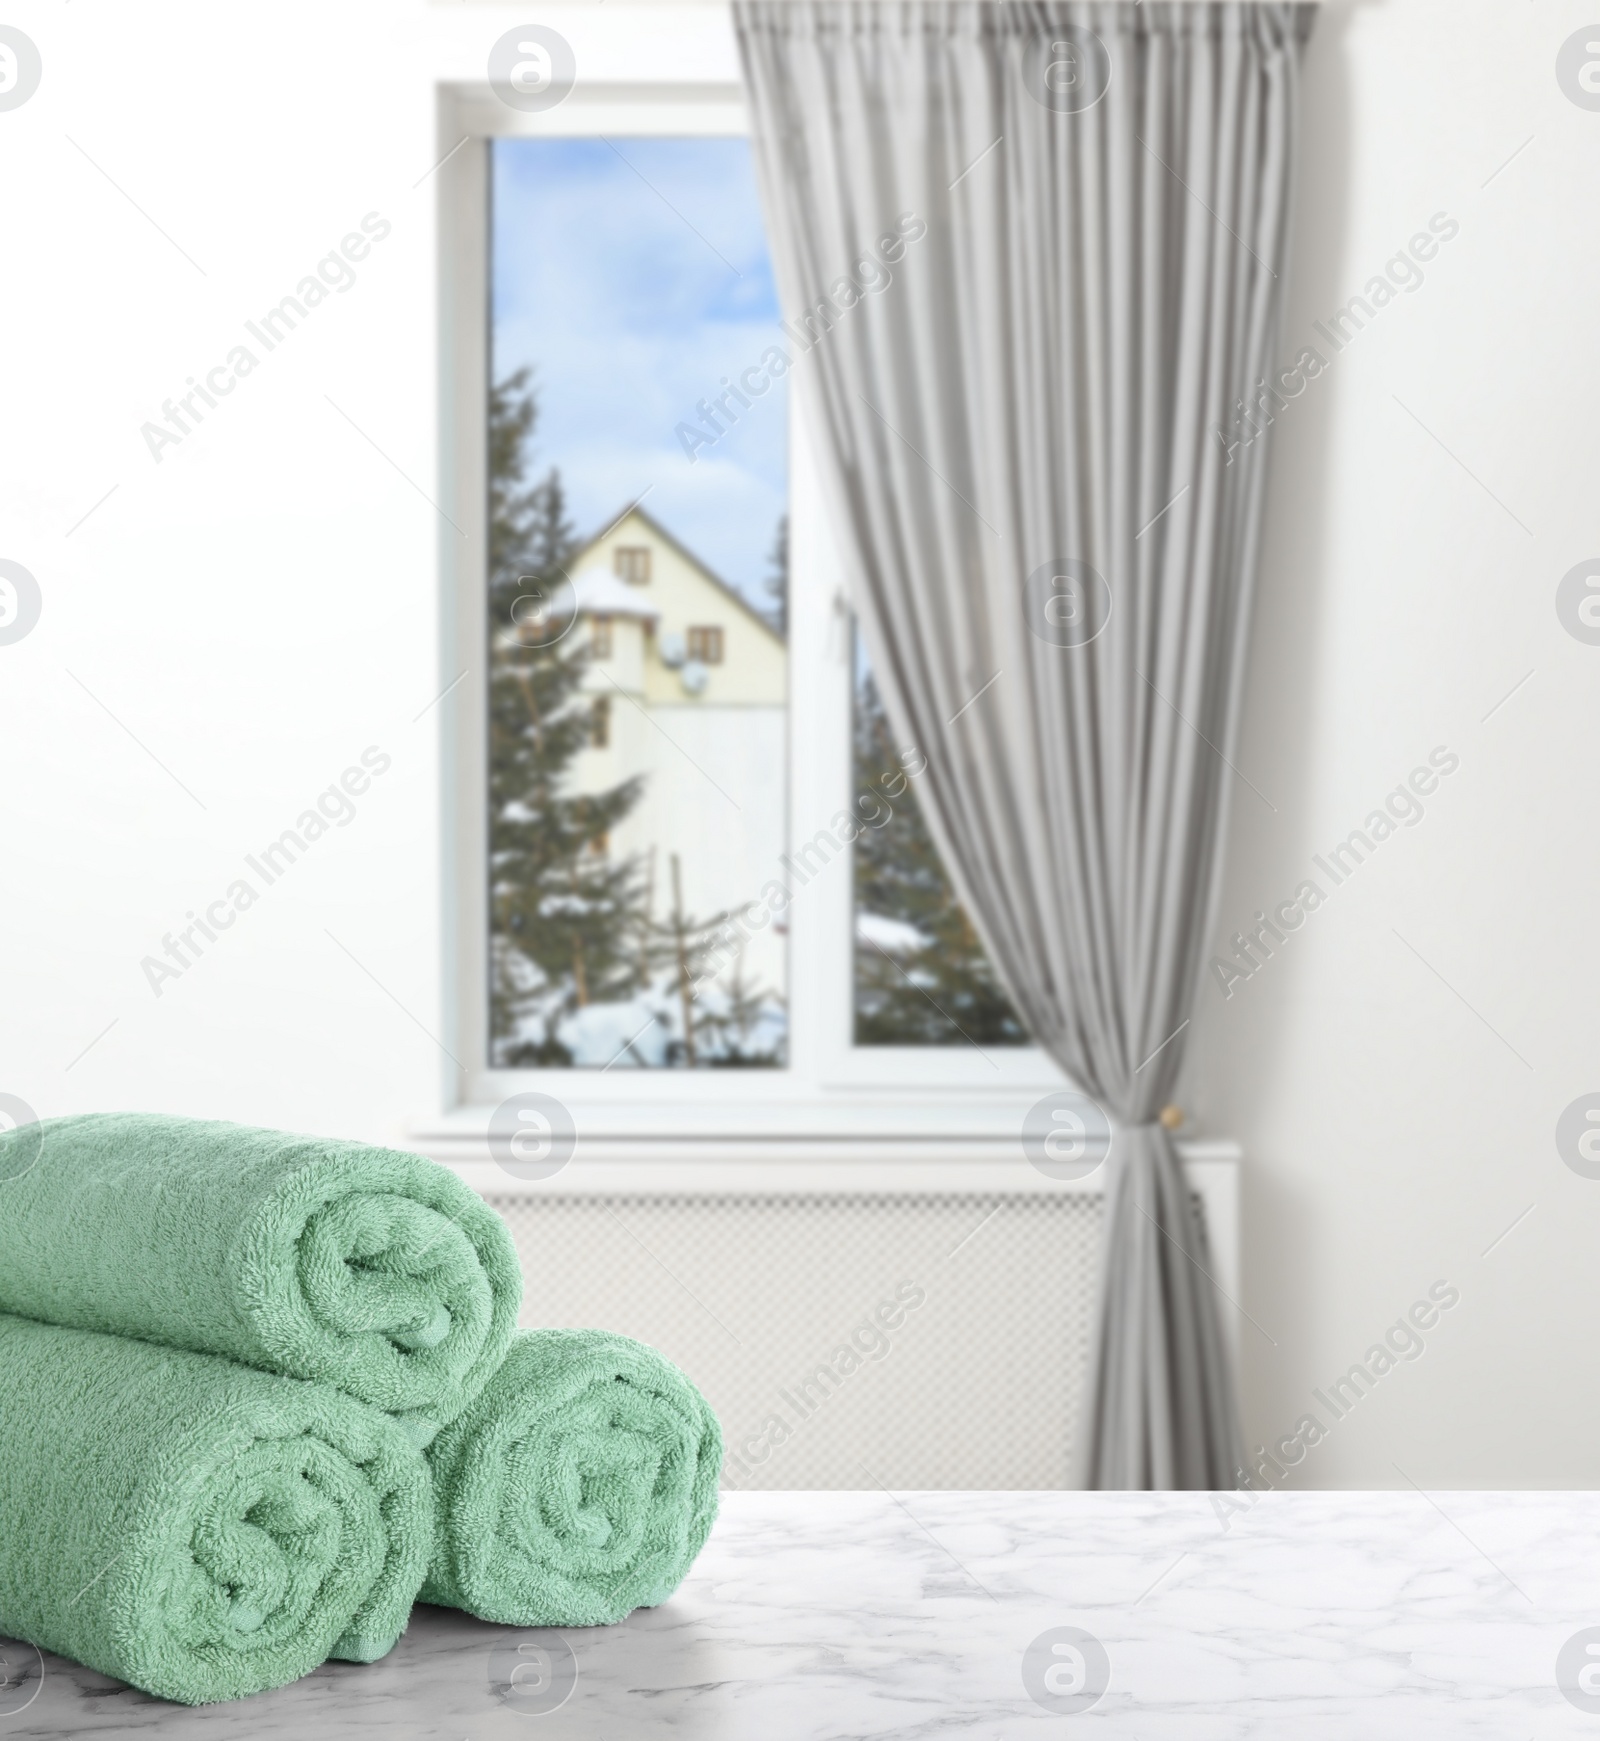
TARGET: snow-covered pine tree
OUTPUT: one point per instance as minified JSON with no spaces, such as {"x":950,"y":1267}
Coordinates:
{"x":565,"y":918}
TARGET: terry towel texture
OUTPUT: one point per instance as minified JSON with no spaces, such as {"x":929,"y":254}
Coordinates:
{"x":193,"y":1526}
{"x":369,"y":1269}
{"x":579,"y":1486}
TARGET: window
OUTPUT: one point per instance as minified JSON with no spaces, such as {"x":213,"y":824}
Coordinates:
{"x":705,"y":645}
{"x":921,"y":977}
{"x":693,"y":893}
{"x":633,"y":563}
{"x":620,"y":887}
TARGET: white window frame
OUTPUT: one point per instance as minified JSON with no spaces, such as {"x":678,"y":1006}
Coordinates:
{"x":830,"y":1091}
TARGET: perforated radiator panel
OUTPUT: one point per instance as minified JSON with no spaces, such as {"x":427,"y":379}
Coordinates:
{"x":909,"y":1341}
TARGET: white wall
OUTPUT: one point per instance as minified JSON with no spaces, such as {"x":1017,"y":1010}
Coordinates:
{"x":261,"y":606}
{"x":1391,"y":1135}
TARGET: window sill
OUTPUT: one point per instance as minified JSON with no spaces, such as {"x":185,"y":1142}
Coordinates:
{"x":647,"y":1116}
{"x":859,"y":1149}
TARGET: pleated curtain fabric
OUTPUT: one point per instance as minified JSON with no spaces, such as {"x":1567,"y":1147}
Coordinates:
{"x":1031,"y":258}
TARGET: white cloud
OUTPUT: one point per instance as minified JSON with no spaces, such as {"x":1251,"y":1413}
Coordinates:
{"x":617,"y":288}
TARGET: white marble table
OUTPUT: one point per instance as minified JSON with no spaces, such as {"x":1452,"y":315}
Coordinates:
{"x":860,"y":1615}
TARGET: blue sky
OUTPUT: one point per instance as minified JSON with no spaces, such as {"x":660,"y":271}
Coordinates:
{"x":632,"y":277}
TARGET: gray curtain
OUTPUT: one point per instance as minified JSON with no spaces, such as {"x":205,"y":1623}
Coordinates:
{"x":1031,"y":257}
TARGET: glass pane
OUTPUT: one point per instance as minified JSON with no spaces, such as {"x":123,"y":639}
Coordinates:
{"x":637,"y":576}
{"x":922,"y":978}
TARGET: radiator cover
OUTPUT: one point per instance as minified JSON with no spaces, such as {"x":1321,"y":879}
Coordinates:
{"x":975,"y":1385}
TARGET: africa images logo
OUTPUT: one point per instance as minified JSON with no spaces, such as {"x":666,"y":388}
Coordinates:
{"x":532,"y":68}
{"x":20,"y":67}
{"x":1578,"y":67}
{"x":20,"y":602}
{"x":1066,"y":1671}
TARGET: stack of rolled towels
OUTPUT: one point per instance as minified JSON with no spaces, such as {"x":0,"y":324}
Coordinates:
{"x":260,"y":1392}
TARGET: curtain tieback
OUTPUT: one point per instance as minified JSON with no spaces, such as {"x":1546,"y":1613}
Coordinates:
{"x":1170,"y":1118}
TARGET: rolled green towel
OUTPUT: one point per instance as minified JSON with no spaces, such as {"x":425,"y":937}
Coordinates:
{"x":371,"y":1269}
{"x":579,"y":1486}
{"x":193,"y":1526}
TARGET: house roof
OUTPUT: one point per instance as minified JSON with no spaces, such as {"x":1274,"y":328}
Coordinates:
{"x":635,"y":512}
{"x":600,"y":593}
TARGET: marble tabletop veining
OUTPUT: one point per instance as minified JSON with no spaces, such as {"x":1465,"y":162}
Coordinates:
{"x":1301,"y":1615}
